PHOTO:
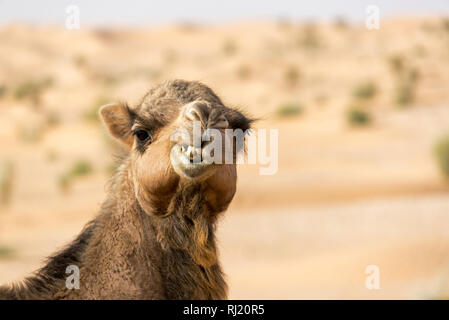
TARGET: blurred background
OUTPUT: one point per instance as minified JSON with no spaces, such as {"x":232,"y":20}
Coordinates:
{"x":362,"y":114}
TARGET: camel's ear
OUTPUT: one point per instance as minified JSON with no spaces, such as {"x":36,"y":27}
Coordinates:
{"x":117,"y":119}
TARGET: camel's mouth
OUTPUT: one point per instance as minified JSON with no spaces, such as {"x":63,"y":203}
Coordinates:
{"x":187,"y":161}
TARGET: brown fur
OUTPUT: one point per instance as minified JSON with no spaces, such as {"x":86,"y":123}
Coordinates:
{"x":155,"y":235}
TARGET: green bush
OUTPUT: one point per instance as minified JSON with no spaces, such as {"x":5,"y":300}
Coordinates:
{"x":445,"y":24}
{"x":365,"y":90}
{"x":26,"y":89}
{"x":404,"y":94}
{"x":3,"y":90}
{"x":406,"y":77}
{"x":32,"y":89}
{"x":406,"y":87}
{"x":229,"y":47}
{"x":52,"y":118}
{"x":309,"y":38}
{"x":79,"y":169}
{"x":355,"y":116}
{"x":441,"y":151}
{"x":396,"y":63}
{"x":290,"y":109}
{"x":6,"y":181}
{"x":292,"y":75}
{"x":6,"y":252}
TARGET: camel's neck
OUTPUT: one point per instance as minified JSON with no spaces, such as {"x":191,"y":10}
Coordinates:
{"x":185,"y":224}
{"x":185,"y":238}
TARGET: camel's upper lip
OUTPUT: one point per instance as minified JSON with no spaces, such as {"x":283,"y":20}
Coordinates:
{"x":187,"y":160}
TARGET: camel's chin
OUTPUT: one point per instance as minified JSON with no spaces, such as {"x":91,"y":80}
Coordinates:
{"x":186,"y":167}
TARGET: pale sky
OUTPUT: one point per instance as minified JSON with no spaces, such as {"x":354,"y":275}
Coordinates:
{"x":140,"y":13}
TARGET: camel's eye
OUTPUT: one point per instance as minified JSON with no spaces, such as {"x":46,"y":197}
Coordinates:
{"x":142,"y":135}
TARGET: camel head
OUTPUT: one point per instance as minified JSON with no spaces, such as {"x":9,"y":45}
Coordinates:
{"x":174,"y":137}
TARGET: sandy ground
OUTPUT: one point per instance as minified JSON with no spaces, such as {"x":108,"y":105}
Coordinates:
{"x":300,"y":252}
{"x":343,"y":198}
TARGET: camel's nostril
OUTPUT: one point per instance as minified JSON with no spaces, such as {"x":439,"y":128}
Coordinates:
{"x":189,"y":152}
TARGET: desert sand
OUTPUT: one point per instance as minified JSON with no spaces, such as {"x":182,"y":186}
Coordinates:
{"x":344,"y":196}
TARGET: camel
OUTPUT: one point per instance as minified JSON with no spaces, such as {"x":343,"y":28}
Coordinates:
{"x":154,"y":237}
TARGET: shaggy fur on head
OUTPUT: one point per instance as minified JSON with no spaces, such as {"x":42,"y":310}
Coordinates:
{"x":154,"y":237}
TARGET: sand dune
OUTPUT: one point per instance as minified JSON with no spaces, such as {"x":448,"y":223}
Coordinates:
{"x":344,"y":196}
